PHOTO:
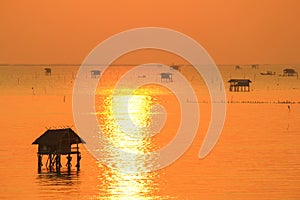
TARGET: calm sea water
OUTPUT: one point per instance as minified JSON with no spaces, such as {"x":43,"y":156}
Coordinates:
{"x":256,"y":157}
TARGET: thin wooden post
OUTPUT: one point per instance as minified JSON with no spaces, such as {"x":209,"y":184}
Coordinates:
{"x":58,"y":165}
{"x":78,"y":161}
{"x":50,"y":162}
{"x":40,"y":163}
{"x":69,"y":163}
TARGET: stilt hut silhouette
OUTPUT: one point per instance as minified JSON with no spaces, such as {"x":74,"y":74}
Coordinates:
{"x":255,"y":66}
{"x":47,"y":71}
{"x":239,"y":85}
{"x":290,"y":72}
{"x":166,"y":76}
{"x":237,"y":67}
{"x":95,"y":73}
{"x":57,"y":142}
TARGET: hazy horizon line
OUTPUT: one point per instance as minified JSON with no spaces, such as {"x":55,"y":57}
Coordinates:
{"x":74,"y":64}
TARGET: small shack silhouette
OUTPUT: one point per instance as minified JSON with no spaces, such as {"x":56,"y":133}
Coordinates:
{"x":95,"y":73}
{"x":166,"y":76}
{"x":48,"y":71}
{"x":290,"y":72}
{"x":255,"y":66}
{"x":57,"y":142}
{"x":237,"y":67}
{"x":239,"y":85}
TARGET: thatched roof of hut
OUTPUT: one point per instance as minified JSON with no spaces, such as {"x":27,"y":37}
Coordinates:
{"x":55,"y":136}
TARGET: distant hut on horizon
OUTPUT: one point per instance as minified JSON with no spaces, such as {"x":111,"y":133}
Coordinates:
{"x":166,"y":76}
{"x":290,"y":72}
{"x":255,"y":66}
{"x":95,"y":73}
{"x":239,"y":85}
{"x":57,"y":142}
{"x":48,"y":71}
{"x":237,"y":67}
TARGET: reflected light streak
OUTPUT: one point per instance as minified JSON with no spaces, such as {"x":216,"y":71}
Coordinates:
{"x":133,"y":113}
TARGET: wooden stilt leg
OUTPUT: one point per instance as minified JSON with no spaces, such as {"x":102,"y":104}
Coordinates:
{"x":78,"y":161}
{"x":50,"y":162}
{"x":69,"y":158}
{"x":40,"y":163}
{"x":58,"y":165}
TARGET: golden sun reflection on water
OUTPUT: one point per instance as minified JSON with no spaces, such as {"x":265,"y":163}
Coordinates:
{"x":125,"y":121}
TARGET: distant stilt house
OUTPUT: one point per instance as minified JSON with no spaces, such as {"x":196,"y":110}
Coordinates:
{"x":237,"y":67}
{"x":47,"y":71}
{"x":57,"y":142}
{"x":239,"y":85}
{"x":255,"y":66}
{"x":175,"y":67}
{"x":290,"y":72}
{"x":95,"y":73}
{"x":166,"y":76}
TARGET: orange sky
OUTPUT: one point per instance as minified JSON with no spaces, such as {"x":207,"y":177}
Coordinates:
{"x":232,"y":31}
